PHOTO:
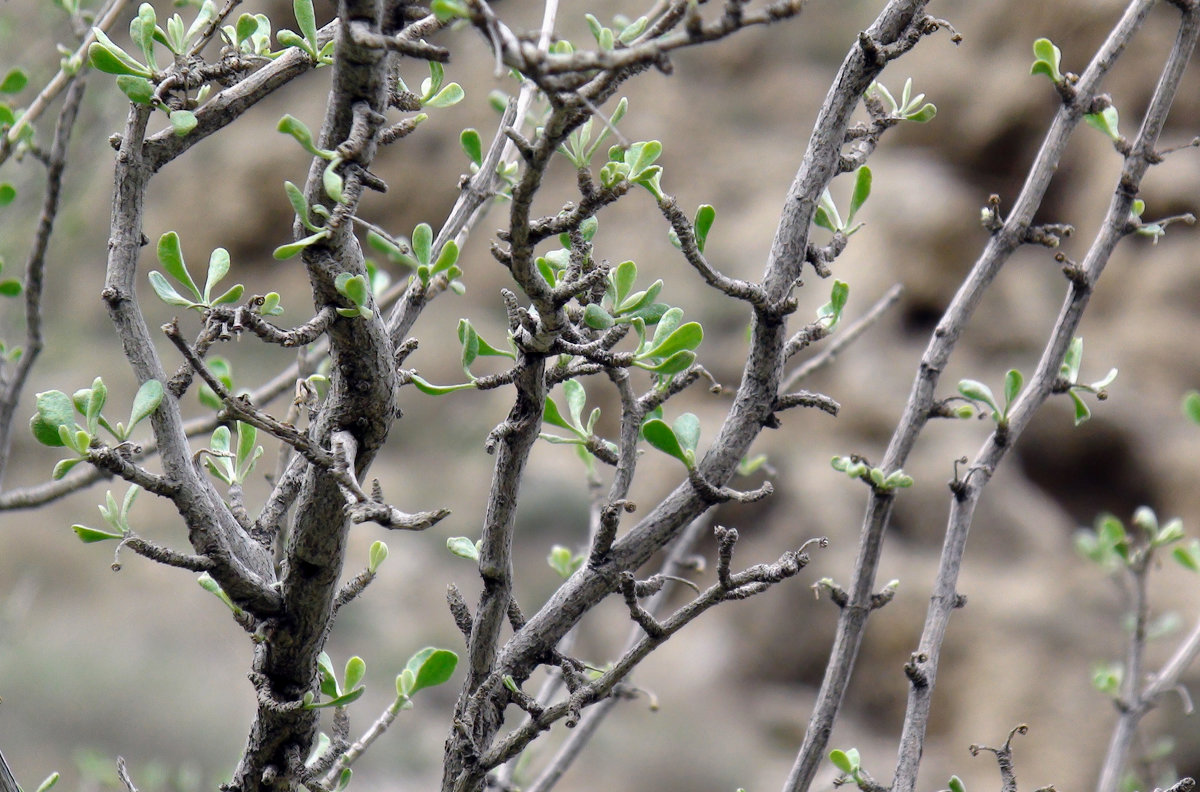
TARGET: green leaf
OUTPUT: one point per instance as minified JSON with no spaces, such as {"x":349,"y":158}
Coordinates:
{"x":956,"y":784}
{"x":247,"y":26}
{"x":438,"y":390}
{"x":232,"y":295}
{"x":472,"y":145}
{"x":977,"y":391}
{"x":97,"y":396}
{"x":832,"y":310}
{"x":469,"y":340}
{"x":1191,"y":406}
{"x":339,"y":701}
{"x":923,"y":115}
{"x":90,"y":535}
{"x":49,"y":783}
{"x":897,"y":479}
{"x":687,"y":336}
{"x":1069,"y":370}
{"x":862,"y":190}
{"x":183,"y":121}
{"x":650,"y":179}
{"x":1105,"y":382}
{"x":1042,"y":67}
{"x":832,"y":219}
{"x":148,"y":397}
{"x":422,"y":243}
{"x":1171,"y":532}
{"x":1049,"y":58}
{"x":247,"y":449}
{"x":843,"y":760}
{"x":663,"y":438}
{"x":75,"y":438}
{"x":447,"y":257}
{"x":597,"y":318}
{"x":445,"y":10}
{"x":210,"y":585}
{"x":687,"y":430}
{"x":293,"y":126}
{"x":463,"y":547}
{"x":633,"y":30}
{"x":622,"y":278}
{"x":270,"y":305}
{"x":647,"y":315}
{"x":289,"y":38}
{"x":64,"y":466}
{"x":111,"y":59}
{"x":218,"y":268}
{"x":822,"y":219}
{"x":329,"y":685}
{"x":1012,"y":386}
{"x":105,"y":60}
{"x":1107,"y":121}
{"x":7,"y":193}
{"x":166,"y":292}
{"x":299,"y":205}
{"x":170,"y":256}
{"x":437,"y":75}
{"x":207,"y":13}
{"x":306,"y":19}
{"x":331,"y":180}
{"x":1188,"y":557}
{"x":378,"y":554}
{"x":748,"y":465}
{"x":353,"y":287}
{"x":666,"y":325}
{"x":452,"y":94}
{"x":356,"y":669}
{"x":1111,"y":534}
{"x":138,"y":89}
{"x":640,"y":156}
{"x":639,"y":300}
{"x":14,"y":81}
{"x":576,"y":399}
{"x":127,"y":501}
{"x":676,"y":363}
{"x":284,"y":252}
{"x":885,"y":96}
{"x":552,"y":415}
{"x":10,"y":288}
{"x":1082,"y":413}
{"x":390,"y":249}
{"x":1107,"y":678}
{"x":705,"y":216}
{"x":431,"y":667}
{"x":54,"y":409}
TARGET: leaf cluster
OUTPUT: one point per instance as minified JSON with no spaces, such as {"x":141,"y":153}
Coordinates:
{"x":54,"y":424}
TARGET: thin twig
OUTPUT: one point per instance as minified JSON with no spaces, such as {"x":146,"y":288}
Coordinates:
{"x":1041,"y":384}
{"x":60,"y":80}
{"x":843,"y":339}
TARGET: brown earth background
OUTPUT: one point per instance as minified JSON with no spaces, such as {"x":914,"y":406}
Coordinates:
{"x":146,"y":665}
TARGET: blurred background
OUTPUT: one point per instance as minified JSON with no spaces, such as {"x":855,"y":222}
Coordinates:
{"x":144,"y":664}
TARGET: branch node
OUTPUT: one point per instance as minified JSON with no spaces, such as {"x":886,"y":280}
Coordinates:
{"x":914,"y":671}
{"x":459,"y":610}
{"x":836,"y":593}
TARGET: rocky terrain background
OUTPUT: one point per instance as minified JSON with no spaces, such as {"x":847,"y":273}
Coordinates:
{"x":145,"y":664}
